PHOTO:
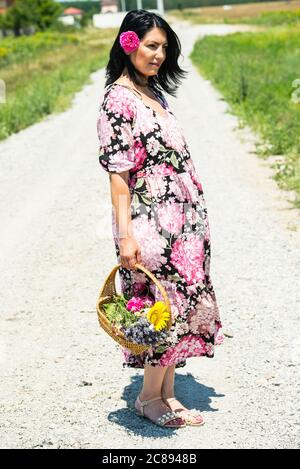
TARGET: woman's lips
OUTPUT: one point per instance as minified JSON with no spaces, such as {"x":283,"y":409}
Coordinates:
{"x":156,"y":65}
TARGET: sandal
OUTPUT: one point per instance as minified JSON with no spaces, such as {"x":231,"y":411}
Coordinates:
{"x":192,"y":418}
{"x":163,"y":420}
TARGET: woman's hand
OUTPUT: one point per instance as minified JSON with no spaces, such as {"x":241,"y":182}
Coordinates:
{"x":130,"y":252}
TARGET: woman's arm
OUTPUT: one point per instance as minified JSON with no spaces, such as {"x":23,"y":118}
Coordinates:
{"x":130,"y":252}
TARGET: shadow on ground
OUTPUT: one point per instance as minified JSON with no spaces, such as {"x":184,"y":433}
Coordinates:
{"x":191,"y":394}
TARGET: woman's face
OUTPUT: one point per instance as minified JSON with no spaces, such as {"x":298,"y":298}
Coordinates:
{"x":151,"y":53}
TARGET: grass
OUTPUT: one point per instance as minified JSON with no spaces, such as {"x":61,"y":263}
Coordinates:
{"x":258,"y":85}
{"x":262,"y":13}
{"x":26,"y":48}
{"x":42,"y":74}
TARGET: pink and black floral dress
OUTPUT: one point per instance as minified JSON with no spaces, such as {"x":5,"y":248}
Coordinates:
{"x":169,"y":222}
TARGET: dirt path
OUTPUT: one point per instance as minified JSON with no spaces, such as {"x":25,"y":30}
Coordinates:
{"x":62,"y":380}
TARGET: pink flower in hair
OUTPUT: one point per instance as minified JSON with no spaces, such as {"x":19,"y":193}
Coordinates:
{"x":129,"y":41}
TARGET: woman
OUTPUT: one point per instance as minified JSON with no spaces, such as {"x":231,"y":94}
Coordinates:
{"x":159,"y":212}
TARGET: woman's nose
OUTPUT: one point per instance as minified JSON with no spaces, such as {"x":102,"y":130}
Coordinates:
{"x":160,"y":55}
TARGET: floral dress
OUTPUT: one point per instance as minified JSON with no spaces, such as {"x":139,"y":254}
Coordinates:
{"x":169,"y":222}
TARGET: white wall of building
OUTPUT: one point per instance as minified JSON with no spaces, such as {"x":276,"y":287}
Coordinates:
{"x":114,"y":20}
{"x":67,"y":20}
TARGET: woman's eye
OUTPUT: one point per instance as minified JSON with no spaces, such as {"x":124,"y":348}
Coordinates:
{"x":153,"y":45}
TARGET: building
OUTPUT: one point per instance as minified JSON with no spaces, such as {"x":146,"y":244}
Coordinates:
{"x":71,"y":16}
{"x":73,"y":12}
{"x":4,"y":4}
{"x":109,"y":6}
{"x":101,"y":20}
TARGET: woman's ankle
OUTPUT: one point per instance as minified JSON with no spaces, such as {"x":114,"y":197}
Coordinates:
{"x":167,"y":393}
{"x":147,"y":396}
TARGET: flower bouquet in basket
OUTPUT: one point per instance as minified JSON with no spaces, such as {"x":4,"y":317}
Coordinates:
{"x":138,"y":322}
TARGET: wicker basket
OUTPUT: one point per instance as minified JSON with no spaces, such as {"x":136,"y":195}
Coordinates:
{"x":105,"y":296}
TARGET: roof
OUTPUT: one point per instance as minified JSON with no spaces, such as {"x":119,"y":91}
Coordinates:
{"x":72,"y":11}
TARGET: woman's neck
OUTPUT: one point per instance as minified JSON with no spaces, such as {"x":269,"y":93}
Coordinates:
{"x":143,"y":80}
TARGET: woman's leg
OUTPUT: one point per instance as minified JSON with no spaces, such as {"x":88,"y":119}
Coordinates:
{"x":167,"y":392}
{"x":152,"y":386}
{"x":153,"y":378}
{"x":168,"y":382}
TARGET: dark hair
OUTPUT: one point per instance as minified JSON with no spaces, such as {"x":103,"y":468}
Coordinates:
{"x":169,"y":74}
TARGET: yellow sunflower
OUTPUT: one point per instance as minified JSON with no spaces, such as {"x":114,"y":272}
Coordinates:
{"x":158,"y":315}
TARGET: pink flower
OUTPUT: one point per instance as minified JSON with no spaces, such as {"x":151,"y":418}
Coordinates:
{"x":129,"y":41}
{"x":162,"y":170}
{"x":122,"y":102}
{"x":153,"y":249}
{"x":135,"y":304}
{"x":171,"y":217}
{"x":140,"y":154}
{"x":148,"y":301}
{"x":184,"y":349}
{"x":187,"y":256}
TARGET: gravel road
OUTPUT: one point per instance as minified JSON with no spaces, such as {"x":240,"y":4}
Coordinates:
{"x":63,"y":385}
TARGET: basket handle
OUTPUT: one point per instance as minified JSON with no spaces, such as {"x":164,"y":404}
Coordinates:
{"x":111,"y":278}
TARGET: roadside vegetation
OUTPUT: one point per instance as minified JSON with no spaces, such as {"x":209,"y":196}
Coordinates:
{"x":258,"y":74}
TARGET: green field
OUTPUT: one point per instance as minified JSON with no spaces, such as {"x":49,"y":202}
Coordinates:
{"x":258,"y":73}
{"x":42,"y":73}
{"x":260,"y":13}
{"x":258,"y":85}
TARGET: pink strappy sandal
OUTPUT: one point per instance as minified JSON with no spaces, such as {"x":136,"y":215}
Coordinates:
{"x":163,"y":420}
{"x":192,"y":417}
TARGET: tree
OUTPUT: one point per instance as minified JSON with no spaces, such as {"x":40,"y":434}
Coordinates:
{"x":39,"y":13}
{"x":15,"y":19}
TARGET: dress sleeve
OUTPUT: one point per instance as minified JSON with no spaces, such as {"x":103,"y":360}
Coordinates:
{"x":115,"y":126}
